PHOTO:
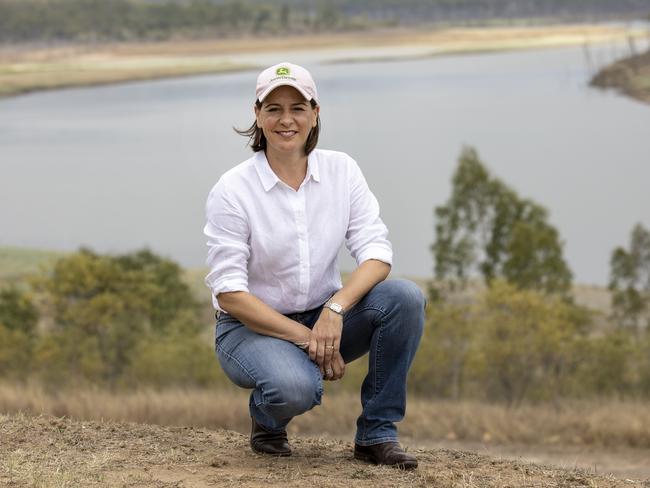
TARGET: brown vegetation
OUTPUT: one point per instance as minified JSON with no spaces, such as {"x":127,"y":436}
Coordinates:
{"x":606,"y":423}
{"x":47,"y":451}
{"x":630,"y":76}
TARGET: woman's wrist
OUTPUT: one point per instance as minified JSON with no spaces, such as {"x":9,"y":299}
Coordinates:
{"x":302,"y":339}
{"x":332,"y":315}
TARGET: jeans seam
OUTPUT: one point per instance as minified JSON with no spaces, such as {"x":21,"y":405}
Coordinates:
{"x":379,"y":341}
{"x":319,"y":381}
{"x":377,"y":354}
{"x":238,"y":363}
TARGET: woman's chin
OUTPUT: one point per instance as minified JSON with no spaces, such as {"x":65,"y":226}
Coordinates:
{"x":287,"y":147}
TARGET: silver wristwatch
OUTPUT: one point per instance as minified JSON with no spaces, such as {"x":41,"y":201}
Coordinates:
{"x":334,"y":307}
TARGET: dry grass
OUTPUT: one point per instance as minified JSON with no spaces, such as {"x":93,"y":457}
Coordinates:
{"x":46,"y":451}
{"x":24,"y":69}
{"x":607,"y":423}
{"x":27,"y":77}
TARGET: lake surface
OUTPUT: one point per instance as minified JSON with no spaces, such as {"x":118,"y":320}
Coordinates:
{"x":125,"y":166}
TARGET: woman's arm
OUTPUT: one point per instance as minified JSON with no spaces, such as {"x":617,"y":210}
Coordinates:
{"x":360,"y":282}
{"x":259,"y":317}
{"x":328,"y":328}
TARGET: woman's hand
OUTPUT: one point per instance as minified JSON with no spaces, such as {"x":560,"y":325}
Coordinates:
{"x":337,"y":368}
{"x":325,"y":340}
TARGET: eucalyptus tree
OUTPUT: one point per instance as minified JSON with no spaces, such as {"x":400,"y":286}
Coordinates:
{"x":630,"y":281}
{"x":486,"y":229}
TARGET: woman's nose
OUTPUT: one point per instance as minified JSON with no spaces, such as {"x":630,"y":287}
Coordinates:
{"x":286,"y":118}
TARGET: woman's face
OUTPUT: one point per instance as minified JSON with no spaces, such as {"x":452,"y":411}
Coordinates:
{"x":286,"y":118}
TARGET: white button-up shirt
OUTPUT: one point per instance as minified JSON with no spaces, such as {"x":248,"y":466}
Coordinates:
{"x":281,"y":245}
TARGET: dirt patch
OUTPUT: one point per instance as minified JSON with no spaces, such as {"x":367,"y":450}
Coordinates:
{"x":620,"y":462}
{"x":48,"y":451}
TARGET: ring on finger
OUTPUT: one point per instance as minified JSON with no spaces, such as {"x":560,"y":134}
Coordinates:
{"x":330,"y":347}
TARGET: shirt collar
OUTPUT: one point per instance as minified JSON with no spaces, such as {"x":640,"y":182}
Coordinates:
{"x":264,"y":171}
{"x":269,"y":179}
{"x":312,"y":167}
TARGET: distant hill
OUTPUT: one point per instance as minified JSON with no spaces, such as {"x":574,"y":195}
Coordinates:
{"x":89,"y":21}
{"x":16,"y":262}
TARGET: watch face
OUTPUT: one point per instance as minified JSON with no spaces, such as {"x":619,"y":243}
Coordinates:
{"x":336,"y":307}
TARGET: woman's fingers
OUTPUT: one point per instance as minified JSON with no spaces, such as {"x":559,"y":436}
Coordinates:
{"x":338,"y":367}
{"x":325,"y":340}
{"x":329,"y":352}
{"x":313,"y":347}
{"x":320,"y":353}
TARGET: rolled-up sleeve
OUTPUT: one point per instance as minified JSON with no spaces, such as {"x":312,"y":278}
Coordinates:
{"x":228,"y":233}
{"x":367,"y":235}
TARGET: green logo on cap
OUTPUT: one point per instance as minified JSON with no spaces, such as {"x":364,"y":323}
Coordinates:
{"x":282,"y":71}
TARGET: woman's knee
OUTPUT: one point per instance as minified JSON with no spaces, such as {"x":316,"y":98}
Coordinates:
{"x":292,"y":394}
{"x":404,"y":295}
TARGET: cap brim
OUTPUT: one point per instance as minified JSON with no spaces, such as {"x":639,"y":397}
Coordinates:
{"x":278,"y":84}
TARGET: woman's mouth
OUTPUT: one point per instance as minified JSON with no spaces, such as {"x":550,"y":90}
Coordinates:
{"x":287,"y":133}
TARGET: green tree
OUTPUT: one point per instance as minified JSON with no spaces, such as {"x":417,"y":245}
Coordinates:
{"x":529,"y":343}
{"x":17,"y":311}
{"x":630,"y":281}
{"x":328,"y":16}
{"x":18,"y":319}
{"x":262,"y":18}
{"x":486,"y":228}
{"x":285,"y":17}
{"x":105,"y":306}
{"x":610,"y":364}
{"x":180,"y":357}
{"x":444,"y":357}
{"x":507,"y":345}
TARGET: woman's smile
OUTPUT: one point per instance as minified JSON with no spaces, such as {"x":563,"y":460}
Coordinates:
{"x":286,"y":119}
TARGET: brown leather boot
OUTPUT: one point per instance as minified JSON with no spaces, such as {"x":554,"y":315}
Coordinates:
{"x":266,"y":442}
{"x":388,"y":453}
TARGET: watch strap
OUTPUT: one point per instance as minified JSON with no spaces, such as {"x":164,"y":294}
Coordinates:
{"x":334,"y":307}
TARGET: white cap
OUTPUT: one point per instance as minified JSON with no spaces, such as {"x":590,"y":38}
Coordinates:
{"x":286,"y":74}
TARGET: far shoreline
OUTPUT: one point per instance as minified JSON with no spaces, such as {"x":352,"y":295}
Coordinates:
{"x":29,"y":69}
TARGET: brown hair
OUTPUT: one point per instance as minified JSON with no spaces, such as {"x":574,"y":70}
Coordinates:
{"x":257,"y":140}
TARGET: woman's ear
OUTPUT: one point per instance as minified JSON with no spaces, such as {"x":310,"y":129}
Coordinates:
{"x":316,"y":114}
{"x":256,"y":109}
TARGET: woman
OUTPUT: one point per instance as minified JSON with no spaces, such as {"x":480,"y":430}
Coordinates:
{"x":275,"y":224}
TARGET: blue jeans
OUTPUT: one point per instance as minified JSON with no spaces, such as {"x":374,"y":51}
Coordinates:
{"x":387,"y":322}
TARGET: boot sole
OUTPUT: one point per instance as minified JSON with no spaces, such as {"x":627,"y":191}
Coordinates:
{"x":372,"y":460}
{"x":276,"y":454}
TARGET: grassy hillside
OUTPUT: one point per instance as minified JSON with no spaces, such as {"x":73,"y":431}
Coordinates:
{"x":16,"y":262}
{"x":47,"y":451}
